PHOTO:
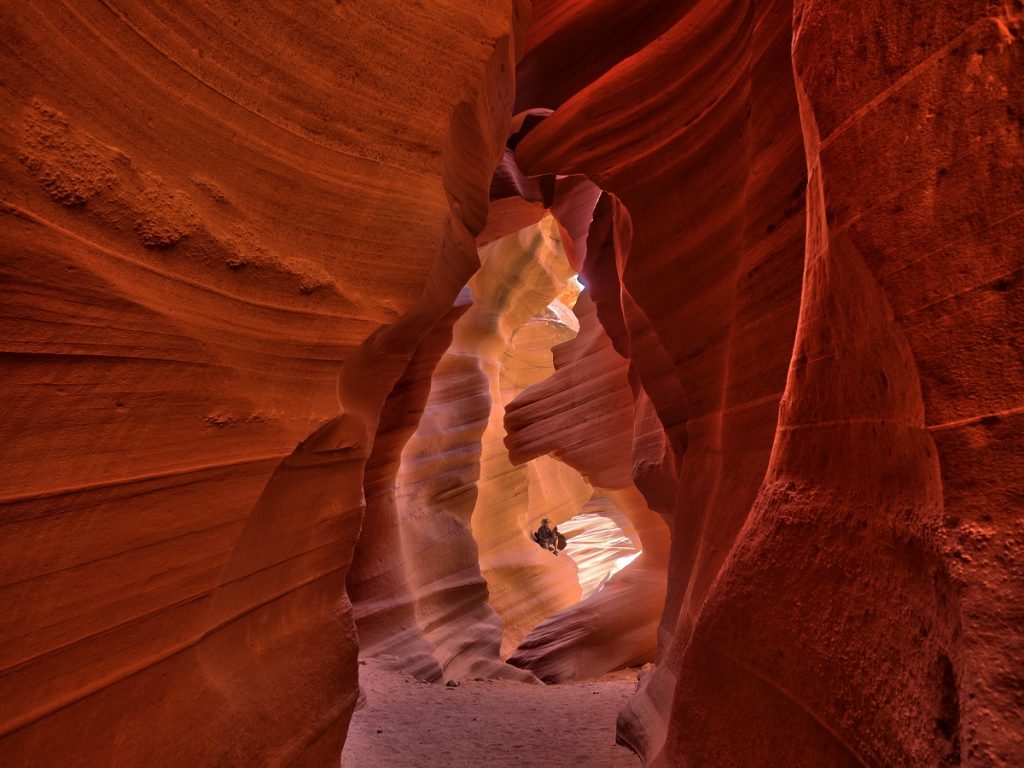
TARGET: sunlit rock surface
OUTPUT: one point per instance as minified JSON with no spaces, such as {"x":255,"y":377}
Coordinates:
{"x":236,"y":358}
{"x":448,"y":539}
{"x":508,"y":335}
{"x":445,"y":574}
{"x":601,"y":541}
{"x":584,"y":415}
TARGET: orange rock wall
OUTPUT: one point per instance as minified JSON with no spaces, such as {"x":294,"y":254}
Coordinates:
{"x":521,"y":319}
{"x":207,"y":215}
{"x":445,"y":566}
{"x":584,"y":416}
{"x":232,"y":244}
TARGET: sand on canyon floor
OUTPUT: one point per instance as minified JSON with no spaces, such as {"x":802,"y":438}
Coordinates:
{"x":405,"y":723}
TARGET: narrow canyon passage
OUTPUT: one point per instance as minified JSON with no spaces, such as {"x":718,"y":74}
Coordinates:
{"x":314,"y":310}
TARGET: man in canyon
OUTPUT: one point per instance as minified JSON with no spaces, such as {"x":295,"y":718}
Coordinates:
{"x":544,"y":536}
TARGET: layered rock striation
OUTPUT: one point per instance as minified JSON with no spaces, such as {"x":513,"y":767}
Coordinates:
{"x":238,"y":357}
{"x":810,"y":298}
{"x":208,"y":215}
{"x":450,"y":546}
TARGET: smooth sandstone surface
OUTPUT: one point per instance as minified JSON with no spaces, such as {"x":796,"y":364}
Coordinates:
{"x":225,"y":233}
{"x":817,"y":235}
{"x":445,"y":563}
{"x":292,"y":365}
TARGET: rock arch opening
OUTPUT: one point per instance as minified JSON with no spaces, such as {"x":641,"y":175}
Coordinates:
{"x":601,"y":542}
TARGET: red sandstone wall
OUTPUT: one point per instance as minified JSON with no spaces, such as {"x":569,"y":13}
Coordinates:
{"x":844,"y":586}
{"x":811,"y":266}
{"x":710,"y":167}
{"x":207,"y":211}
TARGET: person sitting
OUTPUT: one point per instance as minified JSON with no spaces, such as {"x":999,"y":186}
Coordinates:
{"x":544,"y":536}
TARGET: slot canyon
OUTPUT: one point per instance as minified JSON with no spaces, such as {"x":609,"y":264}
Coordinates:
{"x":313,"y":310}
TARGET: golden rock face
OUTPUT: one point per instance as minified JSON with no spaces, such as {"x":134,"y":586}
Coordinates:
{"x":293,"y":362}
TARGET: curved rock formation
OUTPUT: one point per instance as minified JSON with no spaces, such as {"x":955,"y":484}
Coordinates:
{"x":237,"y":358}
{"x":824,"y":602}
{"x":206,"y":213}
{"x":521,"y":317}
{"x":450,"y":536}
{"x":716,"y":198}
{"x":418,"y":579}
{"x":584,"y":416}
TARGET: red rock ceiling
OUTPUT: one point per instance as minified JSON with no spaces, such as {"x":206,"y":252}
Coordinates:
{"x":247,"y":407}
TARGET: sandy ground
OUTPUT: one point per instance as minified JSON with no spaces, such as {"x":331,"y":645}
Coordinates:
{"x":404,"y":723}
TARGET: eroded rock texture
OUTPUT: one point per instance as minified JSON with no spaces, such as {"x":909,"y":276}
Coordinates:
{"x":584,"y":415}
{"x":522,"y":317}
{"x":446,"y":579}
{"x":840,"y":581}
{"x":238,"y":357}
{"x":450,"y":550}
{"x":207,"y":212}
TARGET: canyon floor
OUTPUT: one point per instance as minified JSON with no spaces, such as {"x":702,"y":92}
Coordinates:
{"x":405,"y":723}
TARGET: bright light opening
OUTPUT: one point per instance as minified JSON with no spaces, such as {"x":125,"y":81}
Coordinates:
{"x":598,"y":544}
